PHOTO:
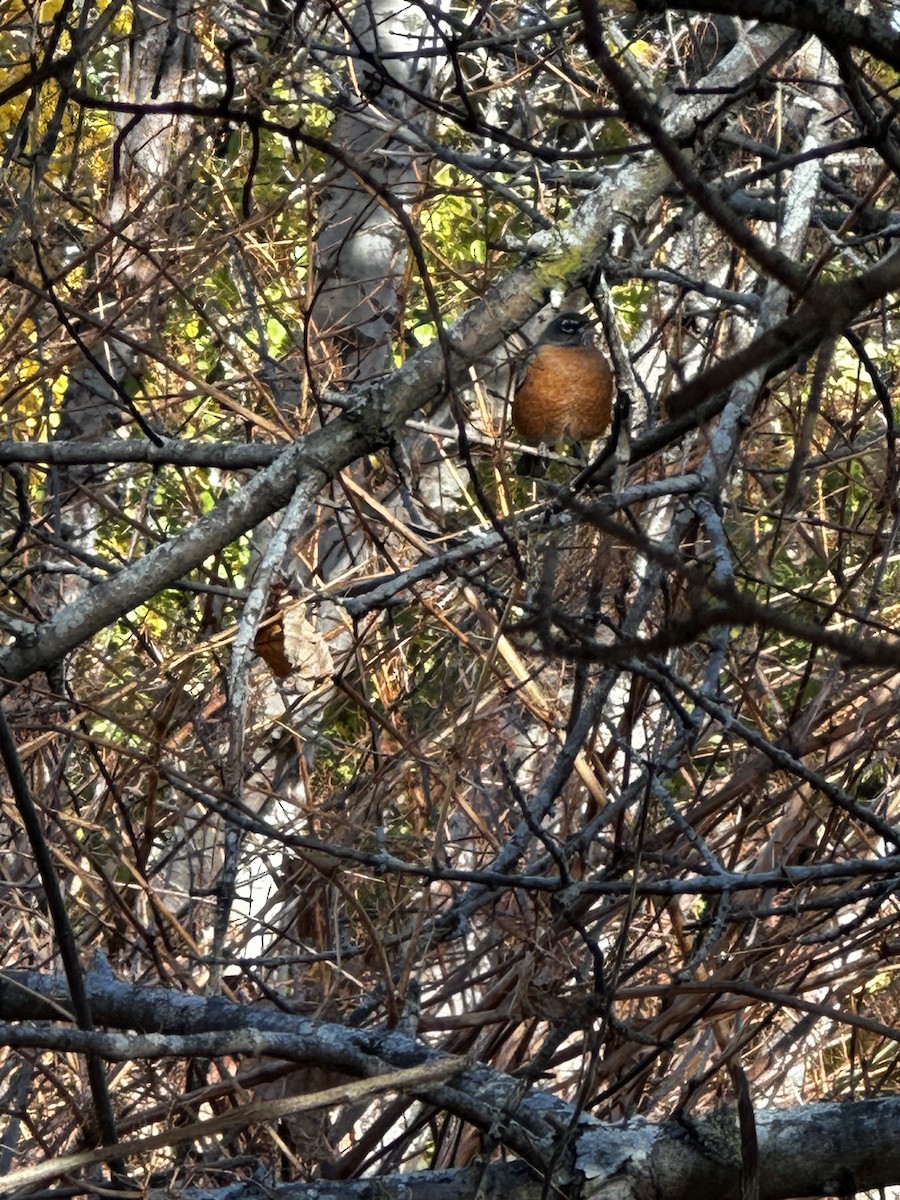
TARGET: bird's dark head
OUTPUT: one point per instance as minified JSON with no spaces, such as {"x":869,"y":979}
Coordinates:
{"x":568,"y":329}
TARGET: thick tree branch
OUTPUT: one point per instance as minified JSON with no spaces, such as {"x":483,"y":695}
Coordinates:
{"x":828,"y":21}
{"x":565,"y":253}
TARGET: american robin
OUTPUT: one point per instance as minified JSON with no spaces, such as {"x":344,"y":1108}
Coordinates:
{"x":565,"y":392}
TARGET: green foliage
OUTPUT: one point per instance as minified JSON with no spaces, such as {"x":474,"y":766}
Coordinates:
{"x":519,"y":683}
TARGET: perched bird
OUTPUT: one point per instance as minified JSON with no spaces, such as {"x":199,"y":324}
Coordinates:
{"x":565,"y":391}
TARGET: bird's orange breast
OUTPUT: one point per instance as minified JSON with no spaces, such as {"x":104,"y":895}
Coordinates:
{"x":566,"y":395}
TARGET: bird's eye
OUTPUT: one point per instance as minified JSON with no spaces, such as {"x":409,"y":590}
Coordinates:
{"x":570,"y":326}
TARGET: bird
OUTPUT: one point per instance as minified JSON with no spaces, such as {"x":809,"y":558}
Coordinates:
{"x":564,"y":393}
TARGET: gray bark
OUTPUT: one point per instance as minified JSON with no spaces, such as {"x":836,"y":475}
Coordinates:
{"x":810,"y":1150}
{"x":362,"y":249}
{"x":557,"y":255}
{"x":155,"y":69}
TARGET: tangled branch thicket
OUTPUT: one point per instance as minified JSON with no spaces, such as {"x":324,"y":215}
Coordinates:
{"x":591,"y":779}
